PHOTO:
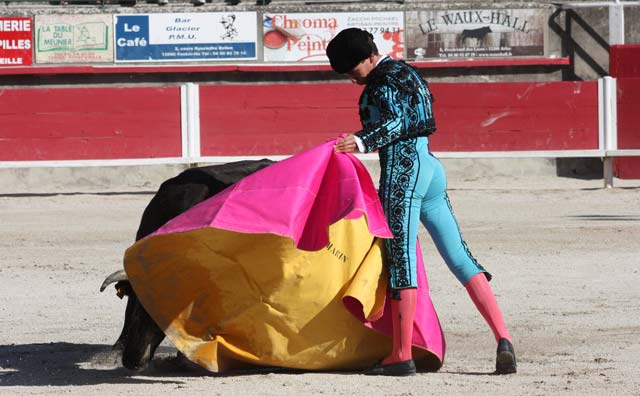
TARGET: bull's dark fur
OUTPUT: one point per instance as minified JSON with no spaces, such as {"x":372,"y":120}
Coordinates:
{"x":191,"y":187}
{"x":140,"y":335}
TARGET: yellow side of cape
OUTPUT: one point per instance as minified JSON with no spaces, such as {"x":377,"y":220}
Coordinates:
{"x":226,"y":299}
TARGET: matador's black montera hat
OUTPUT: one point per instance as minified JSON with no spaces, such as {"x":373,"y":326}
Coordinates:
{"x":348,"y":48}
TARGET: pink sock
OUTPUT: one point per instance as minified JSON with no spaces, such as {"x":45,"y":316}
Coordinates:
{"x":484,"y":299}
{"x":402,"y":312}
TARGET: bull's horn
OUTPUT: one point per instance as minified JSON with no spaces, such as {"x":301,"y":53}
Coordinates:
{"x":117,"y":276}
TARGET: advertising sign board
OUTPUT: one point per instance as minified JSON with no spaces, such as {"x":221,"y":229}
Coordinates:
{"x":15,"y":41}
{"x":74,"y":38}
{"x":482,"y":33}
{"x":186,"y":37}
{"x":304,"y":37}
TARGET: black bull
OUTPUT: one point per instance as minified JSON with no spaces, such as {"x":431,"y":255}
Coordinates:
{"x":140,"y":335}
{"x":478,"y":33}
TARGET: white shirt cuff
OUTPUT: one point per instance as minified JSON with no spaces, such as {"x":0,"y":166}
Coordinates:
{"x":359,"y":143}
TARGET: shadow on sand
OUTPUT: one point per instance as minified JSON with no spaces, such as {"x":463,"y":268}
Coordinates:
{"x":62,"y":364}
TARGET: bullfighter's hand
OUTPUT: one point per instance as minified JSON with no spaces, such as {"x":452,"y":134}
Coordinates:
{"x":345,"y":144}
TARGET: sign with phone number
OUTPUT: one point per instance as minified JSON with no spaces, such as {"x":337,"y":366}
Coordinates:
{"x":186,"y":37}
{"x":304,"y":36}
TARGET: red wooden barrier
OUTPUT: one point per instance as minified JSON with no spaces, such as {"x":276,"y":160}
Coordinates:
{"x":274,"y":119}
{"x":89,"y":123}
{"x":516,"y":116}
{"x":112,"y":123}
{"x":287,"y":118}
{"x":624,"y":64}
{"x":624,"y":61}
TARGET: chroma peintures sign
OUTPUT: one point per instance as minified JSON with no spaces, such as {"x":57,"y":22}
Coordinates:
{"x":186,"y":37}
{"x":16,"y":41}
{"x":304,"y":37}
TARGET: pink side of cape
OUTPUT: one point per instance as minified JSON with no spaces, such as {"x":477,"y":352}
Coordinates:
{"x":427,"y":333}
{"x":299,"y":198}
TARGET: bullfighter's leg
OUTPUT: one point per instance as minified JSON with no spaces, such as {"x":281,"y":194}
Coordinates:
{"x":485,"y":301}
{"x":403,"y":307}
{"x":437,"y":216}
{"x":403,"y":183}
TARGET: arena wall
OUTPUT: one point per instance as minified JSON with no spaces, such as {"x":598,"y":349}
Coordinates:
{"x":283,"y":119}
{"x":82,"y":112}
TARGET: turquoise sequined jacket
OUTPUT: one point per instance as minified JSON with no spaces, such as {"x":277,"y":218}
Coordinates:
{"x":394,"y":105}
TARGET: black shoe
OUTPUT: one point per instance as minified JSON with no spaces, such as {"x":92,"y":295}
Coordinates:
{"x":506,"y":358}
{"x":398,"y":369}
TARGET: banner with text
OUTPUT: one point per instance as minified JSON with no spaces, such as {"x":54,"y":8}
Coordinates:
{"x":186,"y":37}
{"x":15,"y":41}
{"x":304,"y":37}
{"x":463,"y":34}
{"x":74,"y":38}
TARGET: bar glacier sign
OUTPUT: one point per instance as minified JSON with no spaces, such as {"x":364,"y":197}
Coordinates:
{"x":186,"y":37}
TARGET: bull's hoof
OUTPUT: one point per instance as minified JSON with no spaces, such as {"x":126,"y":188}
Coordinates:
{"x":185,"y":364}
{"x":134,"y":366}
{"x":118,"y":346}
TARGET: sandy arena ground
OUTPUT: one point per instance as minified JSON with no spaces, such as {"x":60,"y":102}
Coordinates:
{"x":564,"y":254}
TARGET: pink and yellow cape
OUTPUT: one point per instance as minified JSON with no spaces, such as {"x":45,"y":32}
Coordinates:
{"x":284,"y":268}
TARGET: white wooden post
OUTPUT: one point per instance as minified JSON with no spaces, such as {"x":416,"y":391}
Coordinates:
{"x":190,"y":121}
{"x":610,"y":126}
{"x":616,"y":36}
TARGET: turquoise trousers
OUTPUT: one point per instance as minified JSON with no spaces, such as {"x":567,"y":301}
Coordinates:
{"x":413,"y":191}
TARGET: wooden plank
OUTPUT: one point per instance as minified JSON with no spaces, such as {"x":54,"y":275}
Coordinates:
{"x":624,"y":65}
{"x":628,"y":95}
{"x":276,"y":119}
{"x":624,"y":61}
{"x":89,"y":123}
{"x":515,"y":116}
{"x":285,"y":119}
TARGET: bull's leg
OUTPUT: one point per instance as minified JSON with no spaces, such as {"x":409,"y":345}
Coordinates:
{"x":131,"y":302}
{"x":142,"y":337}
